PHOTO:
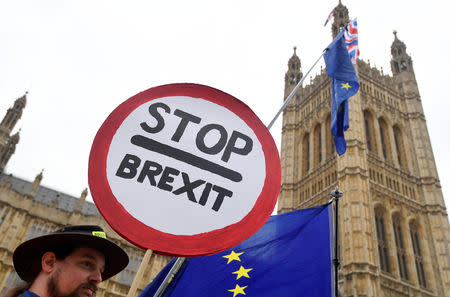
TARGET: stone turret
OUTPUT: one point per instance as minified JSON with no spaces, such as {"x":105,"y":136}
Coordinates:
{"x":341,"y":19}
{"x":81,"y":201}
{"x":35,"y":185}
{"x":402,"y":68}
{"x":294,"y":73}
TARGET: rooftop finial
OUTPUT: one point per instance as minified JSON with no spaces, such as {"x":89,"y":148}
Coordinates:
{"x":395,"y":33}
{"x":295,"y":50}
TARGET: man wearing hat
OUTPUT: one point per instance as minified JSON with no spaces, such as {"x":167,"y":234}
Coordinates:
{"x":69,"y":262}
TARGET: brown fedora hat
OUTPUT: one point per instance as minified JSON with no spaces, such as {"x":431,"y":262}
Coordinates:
{"x":30,"y":252}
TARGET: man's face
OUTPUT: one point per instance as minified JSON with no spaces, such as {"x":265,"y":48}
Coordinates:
{"x":78,"y":275}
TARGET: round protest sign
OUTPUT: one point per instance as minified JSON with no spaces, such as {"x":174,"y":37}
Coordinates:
{"x":184,"y":169}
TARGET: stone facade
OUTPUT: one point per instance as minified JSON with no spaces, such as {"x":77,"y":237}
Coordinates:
{"x":28,"y":209}
{"x":394,"y":227}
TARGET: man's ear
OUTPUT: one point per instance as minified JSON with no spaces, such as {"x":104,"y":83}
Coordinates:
{"x":48,"y":262}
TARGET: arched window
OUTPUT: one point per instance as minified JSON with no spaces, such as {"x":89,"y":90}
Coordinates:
{"x":385,"y":144}
{"x":329,"y":145}
{"x":370,"y":133}
{"x":417,"y":255}
{"x":305,"y":153}
{"x":401,"y":253}
{"x":292,"y":79}
{"x":317,"y":145}
{"x":400,"y":147}
{"x":382,"y":242}
{"x":396,"y":68}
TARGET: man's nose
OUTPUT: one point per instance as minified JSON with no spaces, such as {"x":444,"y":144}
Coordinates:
{"x":95,"y":277}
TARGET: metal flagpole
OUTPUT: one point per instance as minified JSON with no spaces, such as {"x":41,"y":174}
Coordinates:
{"x":336,"y":194}
{"x":169,"y":277}
{"x":288,"y":99}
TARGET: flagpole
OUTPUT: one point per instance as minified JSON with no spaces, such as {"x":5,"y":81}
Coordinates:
{"x":336,"y":194}
{"x":288,"y":99}
{"x":169,"y":277}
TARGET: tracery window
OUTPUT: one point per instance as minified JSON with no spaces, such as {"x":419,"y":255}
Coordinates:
{"x":401,"y":253}
{"x":382,"y":242}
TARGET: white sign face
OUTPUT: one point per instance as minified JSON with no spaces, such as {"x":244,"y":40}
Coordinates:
{"x":184,"y":170}
{"x":185,"y":159}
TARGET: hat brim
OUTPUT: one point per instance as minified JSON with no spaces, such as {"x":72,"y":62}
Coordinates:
{"x":31,"y":251}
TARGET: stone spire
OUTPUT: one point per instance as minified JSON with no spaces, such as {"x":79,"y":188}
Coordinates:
{"x":294,"y":73}
{"x":13,"y":115}
{"x":36,"y":183}
{"x":341,"y":19}
{"x":81,"y":201}
{"x":402,"y":67}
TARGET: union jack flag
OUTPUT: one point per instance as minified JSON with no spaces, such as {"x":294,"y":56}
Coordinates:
{"x":351,"y":40}
{"x":329,"y":18}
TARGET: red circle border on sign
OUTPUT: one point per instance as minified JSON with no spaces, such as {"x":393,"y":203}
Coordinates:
{"x":182,"y":245}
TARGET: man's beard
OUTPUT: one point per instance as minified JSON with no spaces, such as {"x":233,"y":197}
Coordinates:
{"x":54,"y":291}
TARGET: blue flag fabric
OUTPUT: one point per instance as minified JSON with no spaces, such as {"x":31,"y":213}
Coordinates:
{"x":344,"y":85}
{"x":291,"y":255}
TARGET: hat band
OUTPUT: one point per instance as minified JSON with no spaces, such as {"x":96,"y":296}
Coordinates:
{"x":99,"y":234}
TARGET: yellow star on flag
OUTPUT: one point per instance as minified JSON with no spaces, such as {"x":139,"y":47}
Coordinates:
{"x":233,"y":256}
{"x":238,"y":290}
{"x":345,"y":86}
{"x":242,"y":272}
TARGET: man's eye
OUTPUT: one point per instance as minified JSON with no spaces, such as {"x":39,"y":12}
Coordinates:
{"x":87,"y":264}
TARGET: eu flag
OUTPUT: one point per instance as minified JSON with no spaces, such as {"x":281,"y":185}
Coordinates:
{"x":290,"y":255}
{"x":344,"y":85}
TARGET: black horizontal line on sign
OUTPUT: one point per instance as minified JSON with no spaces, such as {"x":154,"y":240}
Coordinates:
{"x":180,"y":155}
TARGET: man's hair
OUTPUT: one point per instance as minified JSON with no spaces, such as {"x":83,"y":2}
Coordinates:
{"x":61,"y":252}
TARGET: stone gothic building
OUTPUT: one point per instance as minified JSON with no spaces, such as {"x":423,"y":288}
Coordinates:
{"x":28,"y":209}
{"x":394,"y":227}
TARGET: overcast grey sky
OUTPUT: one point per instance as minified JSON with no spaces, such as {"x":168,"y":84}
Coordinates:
{"x":81,"y":59}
